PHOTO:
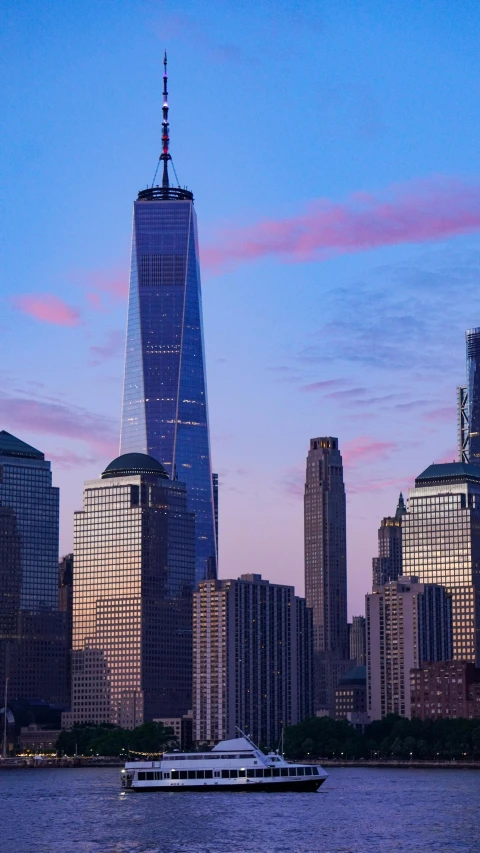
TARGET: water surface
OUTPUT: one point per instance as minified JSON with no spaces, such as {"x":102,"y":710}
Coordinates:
{"x":82,"y":810}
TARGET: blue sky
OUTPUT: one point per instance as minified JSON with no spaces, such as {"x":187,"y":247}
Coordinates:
{"x":333,"y":152}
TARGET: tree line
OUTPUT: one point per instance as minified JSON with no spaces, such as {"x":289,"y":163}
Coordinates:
{"x":107,"y":739}
{"x":392,"y":737}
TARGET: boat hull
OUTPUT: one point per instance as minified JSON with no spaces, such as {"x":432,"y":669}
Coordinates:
{"x":250,"y":786}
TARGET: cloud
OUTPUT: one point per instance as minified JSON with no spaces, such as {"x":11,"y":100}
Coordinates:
{"x":61,"y":420}
{"x":445,"y":414}
{"x":322,"y":385}
{"x":420,"y":211}
{"x":47,"y":308}
{"x":364,"y":448}
{"x":66,"y":459}
{"x":113,"y":347}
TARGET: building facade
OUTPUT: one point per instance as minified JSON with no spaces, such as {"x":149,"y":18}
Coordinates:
{"x":446,"y":690}
{"x":357,"y":639}
{"x":32,"y":631}
{"x":134,"y":573}
{"x":408,"y":623}
{"x":441,"y":545}
{"x":473,"y":391}
{"x":388,"y":565}
{"x":326,"y":566}
{"x":252,"y":660}
{"x":165,"y":411}
{"x":351,"y":694}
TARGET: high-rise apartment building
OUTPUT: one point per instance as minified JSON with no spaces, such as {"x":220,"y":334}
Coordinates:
{"x":441,"y":545}
{"x":358,"y":640}
{"x":134,"y":573}
{"x":407,"y":623}
{"x":326,"y":566}
{"x":32,"y":631}
{"x":252,"y":660}
{"x":448,"y":690}
{"x":165,"y":410}
{"x":388,"y":565}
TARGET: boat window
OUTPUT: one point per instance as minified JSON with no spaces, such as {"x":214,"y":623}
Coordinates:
{"x":208,"y":774}
{"x":250,"y":772}
{"x":268,"y":771}
{"x":141,"y":777}
{"x":293,"y":771}
{"x":233,"y":774}
{"x":174,"y":774}
{"x":216,"y":773}
{"x":150,"y":776}
{"x":276,"y":771}
{"x":242,"y":772}
{"x":308,"y":771}
{"x":158,"y":775}
{"x":200,"y":774}
{"x":166,"y":775}
{"x":245,"y":755}
{"x":300,"y":771}
{"x":225,"y":774}
{"x":284,"y":771}
{"x":183,"y":774}
{"x":191,"y":774}
{"x":259,"y":771}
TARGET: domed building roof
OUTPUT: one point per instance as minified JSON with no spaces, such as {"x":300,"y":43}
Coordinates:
{"x":130,"y":464}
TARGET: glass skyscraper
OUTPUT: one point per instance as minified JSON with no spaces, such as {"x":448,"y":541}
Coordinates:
{"x":33,"y":651}
{"x":133,"y":578}
{"x":441,"y":545}
{"x":165,"y":410}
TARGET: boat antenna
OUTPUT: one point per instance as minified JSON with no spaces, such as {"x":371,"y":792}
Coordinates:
{"x":247,"y":737}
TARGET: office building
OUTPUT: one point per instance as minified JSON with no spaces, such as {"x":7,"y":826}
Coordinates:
{"x":441,"y":545}
{"x":326,"y":567}
{"x":252,"y":660}
{"x":65,"y":605}
{"x":408,"y":623}
{"x":446,"y":690}
{"x":388,"y":565}
{"x":351,"y":694}
{"x":165,"y":410}
{"x":357,"y":640}
{"x":32,"y":631}
{"x":133,"y":573}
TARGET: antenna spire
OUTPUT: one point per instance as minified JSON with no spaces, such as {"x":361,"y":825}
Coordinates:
{"x":165,"y":156}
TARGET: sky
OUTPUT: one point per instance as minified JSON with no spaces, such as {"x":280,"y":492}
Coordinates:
{"x":332,"y":149}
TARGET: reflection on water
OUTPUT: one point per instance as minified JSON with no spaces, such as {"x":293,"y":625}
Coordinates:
{"x":357,"y":810}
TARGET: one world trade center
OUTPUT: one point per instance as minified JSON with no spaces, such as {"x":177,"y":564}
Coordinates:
{"x":165,"y":410}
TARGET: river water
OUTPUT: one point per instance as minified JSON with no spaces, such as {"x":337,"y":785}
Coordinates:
{"x":357,"y":810}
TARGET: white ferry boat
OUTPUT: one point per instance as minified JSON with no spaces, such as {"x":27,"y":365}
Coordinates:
{"x":233,"y":765}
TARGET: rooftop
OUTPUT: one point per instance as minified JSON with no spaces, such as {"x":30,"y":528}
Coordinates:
{"x":12,"y":446}
{"x":132,"y":464}
{"x":357,"y":675}
{"x":445,"y":472}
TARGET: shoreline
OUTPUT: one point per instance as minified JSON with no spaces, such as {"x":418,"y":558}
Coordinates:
{"x":383,"y":763}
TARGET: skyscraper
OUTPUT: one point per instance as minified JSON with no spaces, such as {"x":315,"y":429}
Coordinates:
{"x":473,"y":386}
{"x":326,"y":566}
{"x":32,"y":630}
{"x":407,"y":623}
{"x":388,"y":565}
{"x":441,"y":544}
{"x":165,"y":410}
{"x":357,"y":640}
{"x":134,"y":573}
{"x":252,"y":660}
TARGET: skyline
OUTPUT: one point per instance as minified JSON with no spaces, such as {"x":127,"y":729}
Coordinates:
{"x":343,"y":313}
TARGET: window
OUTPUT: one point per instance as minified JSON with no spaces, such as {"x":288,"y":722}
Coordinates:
{"x":141,"y":777}
{"x":225,"y":774}
{"x":183,"y":774}
{"x":208,"y":774}
{"x":259,"y":772}
{"x":191,"y":774}
{"x":284,"y":771}
{"x":150,"y":776}
{"x":233,"y":774}
{"x":292,"y":771}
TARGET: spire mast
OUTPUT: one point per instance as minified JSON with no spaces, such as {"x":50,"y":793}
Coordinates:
{"x":165,"y":156}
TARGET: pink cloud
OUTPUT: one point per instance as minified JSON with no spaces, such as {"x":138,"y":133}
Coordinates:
{"x":47,"y":308}
{"x":418,"y":212}
{"x":445,"y":415}
{"x":364,"y":448}
{"x":54,"y":418}
{"x":114,"y":346}
{"x":113,"y":284}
